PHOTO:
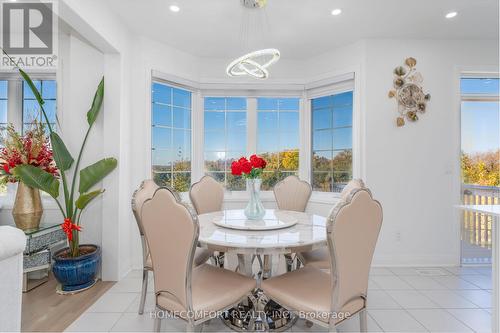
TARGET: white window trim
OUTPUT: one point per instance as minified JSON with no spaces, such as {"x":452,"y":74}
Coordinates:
{"x":305,"y":92}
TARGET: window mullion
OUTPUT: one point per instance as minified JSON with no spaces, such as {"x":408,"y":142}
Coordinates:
{"x":15,"y":104}
{"x":197,"y":135}
{"x":305,"y":133}
{"x":251,"y":125}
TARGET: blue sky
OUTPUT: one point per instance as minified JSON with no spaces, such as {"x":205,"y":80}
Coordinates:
{"x":480,"y":120}
{"x":480,"y":126}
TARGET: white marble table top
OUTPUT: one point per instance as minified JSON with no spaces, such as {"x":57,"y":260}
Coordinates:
{"x":493,"y":210}
{"x":309,"y":233}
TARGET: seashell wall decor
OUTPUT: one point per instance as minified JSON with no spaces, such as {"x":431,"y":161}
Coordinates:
{"x":408,"y":92}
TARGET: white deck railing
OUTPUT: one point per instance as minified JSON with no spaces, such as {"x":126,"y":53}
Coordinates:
{"x":476,"y":227}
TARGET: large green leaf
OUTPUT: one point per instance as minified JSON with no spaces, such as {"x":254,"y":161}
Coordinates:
{"x":84,"y":199}
{"x":37,"y":178}
{"x":32,"y":87}
{"x":94,"y":173}
{"x":63,"y":158}
{"x":96,"y":103}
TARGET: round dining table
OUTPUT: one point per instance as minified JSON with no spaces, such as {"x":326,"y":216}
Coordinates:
{"x":277,"y":232}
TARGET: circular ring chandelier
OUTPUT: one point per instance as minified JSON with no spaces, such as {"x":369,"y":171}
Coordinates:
{"x":254,"y":64}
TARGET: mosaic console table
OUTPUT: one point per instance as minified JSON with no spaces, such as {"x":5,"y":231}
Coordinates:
{"x":40,"y":244}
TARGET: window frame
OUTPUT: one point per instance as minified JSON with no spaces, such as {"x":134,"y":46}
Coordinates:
{"x":15,"y":116}
{"x":338,"y":91}
{"x":347,"y":80}
{"x":25,"y":99}
{"x":278,"y":112}
{"x":192,"y":91}
{"x":252,"y":121}
{"x":226,"y":110}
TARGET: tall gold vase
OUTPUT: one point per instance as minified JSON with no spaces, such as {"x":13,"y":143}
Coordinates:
{"x":28,"y":208}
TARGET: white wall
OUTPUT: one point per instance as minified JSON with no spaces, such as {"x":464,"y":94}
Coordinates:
{"x":80,"y":69}
{"x":414,"y":170}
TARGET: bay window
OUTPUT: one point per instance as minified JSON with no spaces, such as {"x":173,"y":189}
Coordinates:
{"x":304,"y":131}
{"x":171,"y":136}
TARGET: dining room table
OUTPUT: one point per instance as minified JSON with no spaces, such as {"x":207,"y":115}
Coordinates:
{"x":255,"y":242}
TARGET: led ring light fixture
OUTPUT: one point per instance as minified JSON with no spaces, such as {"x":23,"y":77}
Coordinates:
{"x":255,"y":63}
{"x":249,"y":64}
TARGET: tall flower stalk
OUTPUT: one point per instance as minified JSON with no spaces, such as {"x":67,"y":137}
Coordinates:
{"x":86,"y":178}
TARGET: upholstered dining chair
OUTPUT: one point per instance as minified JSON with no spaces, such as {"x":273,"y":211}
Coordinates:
{"x":329,"y":298}
{"x":321,"y":258}
{"x":207,"y":196}
{"x":292,"y":194}
{"x":194,"y":294}
{"x":144,"y":192}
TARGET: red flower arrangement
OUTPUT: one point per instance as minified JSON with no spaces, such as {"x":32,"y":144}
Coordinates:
{"x":248,"y":168}
{"x":32,"y":148}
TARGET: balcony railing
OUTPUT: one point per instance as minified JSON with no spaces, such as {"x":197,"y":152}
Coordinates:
{"x":476,"y":227}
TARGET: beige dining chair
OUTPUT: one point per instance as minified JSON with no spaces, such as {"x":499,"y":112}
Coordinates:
{"x":291,"y":194}
{"x":320,"y":258}
{"x":144,"y":192}
{"x":207,"y":196}
{"x":330,"y":298}
{"x":194,"y":294}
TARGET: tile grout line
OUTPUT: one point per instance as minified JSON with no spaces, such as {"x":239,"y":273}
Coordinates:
{"x":473,"y":330}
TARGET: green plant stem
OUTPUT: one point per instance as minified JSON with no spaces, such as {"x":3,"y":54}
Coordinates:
{"x":60,"y":207}
{"x":75,"y":251}
{"x":78,"y":218}
{"x":77,"y":165}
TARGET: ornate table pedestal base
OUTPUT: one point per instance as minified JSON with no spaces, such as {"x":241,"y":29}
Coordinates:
{"x":258,"y":313}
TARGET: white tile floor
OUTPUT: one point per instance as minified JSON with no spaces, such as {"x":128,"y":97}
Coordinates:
{"x":399,"y":300}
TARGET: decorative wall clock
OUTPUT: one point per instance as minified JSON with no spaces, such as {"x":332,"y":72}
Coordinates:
{"x":408,"y":92}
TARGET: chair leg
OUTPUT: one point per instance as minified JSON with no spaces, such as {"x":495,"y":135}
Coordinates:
{"x":363,"y":324}
{"x":332,"y":327}
{"x":268,"y":264}
{"x":145,"y":276}
{"x":157,"y":327}
{"x":289,"y":262}
{"x":297,"y":263}
{"x":190,"y":327}
{"x":220,"y":259}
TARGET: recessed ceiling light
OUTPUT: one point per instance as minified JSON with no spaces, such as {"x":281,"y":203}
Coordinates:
{"x":174,"y":8}
{"x":336,"y":12}
{"x":451,"y":15}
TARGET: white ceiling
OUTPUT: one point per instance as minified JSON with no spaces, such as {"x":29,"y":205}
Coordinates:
{"x":302,"y":28}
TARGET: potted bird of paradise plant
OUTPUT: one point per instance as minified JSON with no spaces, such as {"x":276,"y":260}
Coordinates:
{"x":76,"y":266}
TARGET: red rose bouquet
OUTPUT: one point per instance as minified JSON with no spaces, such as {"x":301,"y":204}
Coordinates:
{"x":32,"y":148}
{"x":248,"y":168}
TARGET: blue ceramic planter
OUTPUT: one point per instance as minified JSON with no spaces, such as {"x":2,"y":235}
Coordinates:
{"x":75,"y":274}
